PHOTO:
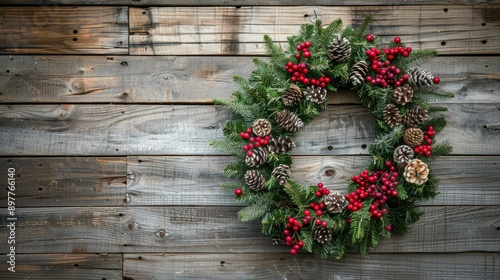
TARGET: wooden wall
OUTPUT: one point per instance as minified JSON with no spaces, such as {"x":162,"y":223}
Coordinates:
{"x":106,"y":116}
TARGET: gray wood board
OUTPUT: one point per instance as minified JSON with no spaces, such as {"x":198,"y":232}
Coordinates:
{"x":202,"y":229}
{"x":67,"y":181}
{"x":238,"y":3}
{"x":303,"y":266}
{"x":456,"y":29}
{"x":64,"y":266}
{"x":177,"y":180}
{"x":115,"y":130}
{"x":64,"y":30}
{"x":180,"y":79}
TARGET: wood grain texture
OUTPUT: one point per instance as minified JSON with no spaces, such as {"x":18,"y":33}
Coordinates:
{"x":63,"y":30}
{"x":229,"y":30}
{"x":201,"y":229}
{"x":114,"y":130}
{"x":64,"y":266}
{"x":302,"y":266}
{"x":67,"y":181}
{"x":167,"y":79}
{"x":174,"y":180}
{"x":160,"y":3}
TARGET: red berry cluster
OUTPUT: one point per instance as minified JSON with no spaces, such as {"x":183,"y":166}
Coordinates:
{"x":317,"y":208}
{"x":379,"y":185}
{"x":253,"y":141}
{"x":298,"y":71}
{"x":425,"y":149}
{"x":292,"y":226}
{"x":385,"y":72}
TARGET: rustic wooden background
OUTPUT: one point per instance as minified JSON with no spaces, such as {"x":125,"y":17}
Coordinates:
{"x":106,"y":116}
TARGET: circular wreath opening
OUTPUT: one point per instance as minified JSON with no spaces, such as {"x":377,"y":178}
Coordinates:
{"x":285,"y":92}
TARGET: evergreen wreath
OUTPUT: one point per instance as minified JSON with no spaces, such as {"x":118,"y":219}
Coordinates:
{"x":287,"y":91}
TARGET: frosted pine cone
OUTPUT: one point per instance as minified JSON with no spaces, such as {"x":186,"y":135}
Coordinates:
{"x":261,"y":127}
{"x":255,"y":180}
{"x":292,"y":96}
{"x":358,"y":72}
{"x":403,"y":155}
{"x":403,"y":94}
{"x":257,"y":157}
{"x":289,"y":121}
{"x":315,"y":94}
{"x":416,"y":172}
{"x":335,"y":202}
{"x":418,"y":77}
{"x":322,"y":234}
{"x":339,"y":50}
{"x":415,"y":117}
{"x":282,"y":173}
{"x":392,"y":117}
{"x":279,"y":145}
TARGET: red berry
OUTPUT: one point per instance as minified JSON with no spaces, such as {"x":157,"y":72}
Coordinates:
{"x":406,"y":54}
{"x":249,"y":153}
{"x":245,"y":148}
{"x":397,"y":40}
{"x":318,"y":194}
{"x":370,"y":38}
{"x":242,"y":134}
{"x":293,"y":252}
{"x":238,"y":191}
{"x":307,"y":54}
{"x":318,"y":222}
{"x":320,"y":185}
{"x":296,"y":247}
{"x":297,"y":55}
{"x":319,"y":212}
{"x":286,"y":232}
{"x":324,"y":224}
{"x":436,"y":80}
{"x":388,"y":228}
{"x":249,"y":130}
{"x":307,"y":44}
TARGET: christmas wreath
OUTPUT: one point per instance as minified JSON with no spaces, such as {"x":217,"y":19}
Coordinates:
{"x":286,"y":91}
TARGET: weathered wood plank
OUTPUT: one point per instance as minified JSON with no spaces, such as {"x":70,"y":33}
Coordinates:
{"x":67,"y":181}
{"x":164,"y":79}
{"x":64,"y":30}
{"x":201,"y":229}
{"x":149,"y":3}
{"x":229,"y":30}
{"x":64,"y":266}
{"x":303,"y":266}
{"x":156,"y":180}
{"x":186,"y":130}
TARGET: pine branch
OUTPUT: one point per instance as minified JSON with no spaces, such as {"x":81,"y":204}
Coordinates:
{"x":432,"y":94}
{"x":235,"y":170}
{"x":419,"y":57}
{"x":295,"y":193}
{"x":442,"y":149}
{"x":252,"y":212}
{"x":363,"y":26}
{"x":439,"y":123}
{"x":233,"y":147}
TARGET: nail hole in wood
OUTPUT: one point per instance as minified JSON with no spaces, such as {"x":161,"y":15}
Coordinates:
{"x":75,"y":31}
{"x":7,"y":71}
{"x":483,"y":24}
{"x":124,"y":63}
{"x":117,"y":149}
{"x":143,"y":13}
{"x":222,"y":263}
{"x":485,"y":126}
{"x":445,"y":10}
{"x":75,"y":265}
{"x":238,"y":7}
{"x":443,"y":43}
{"x":75,"y":39}
{"x":139,"y":161}
{"x":40,"y":189}
{"x":330,"y":148}
{"x":139,"y":258}
{"x":306,"y":16}
{"x":484,"y":41}
{"x":363,"y":146}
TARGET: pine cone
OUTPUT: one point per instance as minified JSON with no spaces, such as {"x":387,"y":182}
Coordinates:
{"x":415,"y":117}
{"x":315,"y":94}
{"x":282,"y":173}
{"x":358,"y":72}
{"x":257,"y":158}
{"x":403,"y":94}
{"x":418,"y":77}
{"x":335,"y":202}
{"x":289,"y":121}
{"x":416,"y":172}
{"x":339,"y":50}
{"x":292,"y":95}
{"x":403,"y":154}
{"x":322,"y":234}
{"x":277,"y":240}
{"x":280,"y":145}
{"x":392,"y":116}
{"x":413,"y":136}
{"x":255,"y":180}
{"x":261,"y":127}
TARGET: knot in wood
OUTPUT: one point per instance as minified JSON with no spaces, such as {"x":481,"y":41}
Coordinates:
{"x":78,"y":86}
{"x":161,"y":233}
